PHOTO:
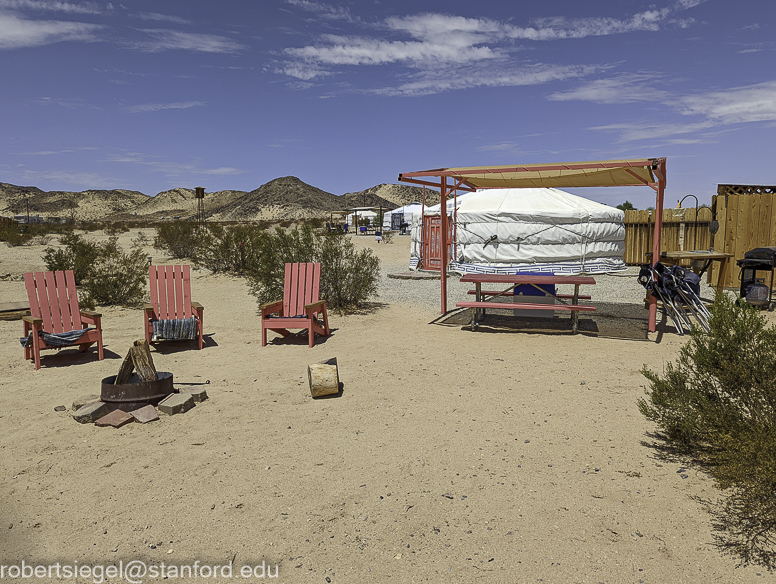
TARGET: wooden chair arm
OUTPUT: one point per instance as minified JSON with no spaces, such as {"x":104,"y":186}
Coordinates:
{"x":197,"y":306}
{"x":274,"y":306}
{"x":91,"y":317}
{"x":32,"y":320}
{"x":313,"y":305}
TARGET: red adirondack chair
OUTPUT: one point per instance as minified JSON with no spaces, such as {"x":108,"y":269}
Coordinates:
{"x":54,"y":310}
{"x":300,"y":305}
{"x":171,"y":299}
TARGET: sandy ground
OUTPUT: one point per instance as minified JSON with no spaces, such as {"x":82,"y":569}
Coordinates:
{"x":451,"y":455}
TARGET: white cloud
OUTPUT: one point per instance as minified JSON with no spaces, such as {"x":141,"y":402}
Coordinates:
{"x":163,"y":17}
{"x":448,"y":79}
{"x":325,"y":11}
{"x":168,"y":40}
{"x":155,"y":107}
{"x":51,"y":152}
{"x":627,"y":88}
{"x":16,"y":32}
{"x":753,"y":103}
{"x":363,"y":51}
{"x":79,"y":179}
{"x":51,"y":5}
{"x":431,"y":42}
{"x":630,"y":132}
{"x":174,"y":169}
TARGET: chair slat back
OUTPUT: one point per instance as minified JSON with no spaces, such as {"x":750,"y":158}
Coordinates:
{"x":170,"y":291}
{"x":53,"y":297}
{"x":301,"y":286}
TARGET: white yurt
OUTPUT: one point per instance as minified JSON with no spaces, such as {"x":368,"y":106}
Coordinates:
{"x":507,"y":231}
{"x":371,"y":215}
{"x":406,"y":212}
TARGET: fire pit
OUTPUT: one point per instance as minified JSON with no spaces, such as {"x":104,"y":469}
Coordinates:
{"x":136,"y":393}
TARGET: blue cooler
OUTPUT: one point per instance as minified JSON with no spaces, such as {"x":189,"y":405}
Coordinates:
{"x":529,"y":294}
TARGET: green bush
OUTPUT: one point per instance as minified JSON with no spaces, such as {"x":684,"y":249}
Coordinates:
{"x":348,"y":278}
{"x":78,"y":255}
{"x":104,"y":273}
{"x":117,"y":277}
{"x":718,"y":405}
{"x":179,"y":239}
{"x":33,"y":234}
{"x":233,"y":249}
{"x":116,"y":228}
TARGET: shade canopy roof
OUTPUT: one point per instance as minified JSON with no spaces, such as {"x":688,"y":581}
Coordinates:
{"x":602,"y":173}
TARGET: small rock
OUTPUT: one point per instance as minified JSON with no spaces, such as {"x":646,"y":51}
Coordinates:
{"x":116,"y":418}
{"x":198,"y":393}
{"x":447,"y":496}
{"x":176,"y":403}
{"x":60,"y":409}
{"x":90,"y":412}
{"x":145,"y":414}
{"x":684,"y":476}
{"x":85,"y":399}
{"x":583,"y":383}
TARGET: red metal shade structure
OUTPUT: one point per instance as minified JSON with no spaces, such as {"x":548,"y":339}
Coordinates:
{"x":649,"y":172}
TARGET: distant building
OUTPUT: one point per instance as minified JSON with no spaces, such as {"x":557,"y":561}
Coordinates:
{"x":24,"y":219}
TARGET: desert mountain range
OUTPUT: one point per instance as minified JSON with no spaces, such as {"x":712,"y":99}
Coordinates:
{"x":282,"y":198}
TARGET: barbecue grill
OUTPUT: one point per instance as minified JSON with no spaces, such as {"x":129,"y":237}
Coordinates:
{"x":754,"y":289}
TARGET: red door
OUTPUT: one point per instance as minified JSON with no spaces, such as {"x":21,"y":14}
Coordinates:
{"x":432,"y":242}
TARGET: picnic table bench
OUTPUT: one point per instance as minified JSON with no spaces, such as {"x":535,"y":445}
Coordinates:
{"x":480,"y":303}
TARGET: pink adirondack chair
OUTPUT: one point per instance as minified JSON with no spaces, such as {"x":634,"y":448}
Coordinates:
{"x":300,"y":305}
{"x":171,"y":299}
{"x":54,"y":310}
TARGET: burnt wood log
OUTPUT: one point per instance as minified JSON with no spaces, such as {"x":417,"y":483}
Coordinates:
{"x":144,"y":363}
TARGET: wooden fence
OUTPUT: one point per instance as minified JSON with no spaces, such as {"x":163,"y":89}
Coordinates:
{"x":681,"y":232}
{"x":747,"y":219}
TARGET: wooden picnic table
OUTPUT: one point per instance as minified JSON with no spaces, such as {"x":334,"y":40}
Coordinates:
{"x":480,"y":304}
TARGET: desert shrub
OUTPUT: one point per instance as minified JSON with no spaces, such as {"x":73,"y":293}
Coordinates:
{"x":116,"y":228}
{"x":33,"y":234}
{"x":179,"y":239}
{"x":232,"y":249}
{"x":718,"y":404}
{"x":140,"y":241}
{"x":78,"y":254}
{"x":387,"y":236}
{"x":117,"y":277}
{"x":285,"y":223}
{"x":348,"y":278}
{"x":104,"y":273}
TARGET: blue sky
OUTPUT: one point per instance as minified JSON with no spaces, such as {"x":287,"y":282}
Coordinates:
{"x":150,"y":95}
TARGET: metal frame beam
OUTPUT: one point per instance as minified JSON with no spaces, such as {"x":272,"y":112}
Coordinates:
{"x":656,"y":165}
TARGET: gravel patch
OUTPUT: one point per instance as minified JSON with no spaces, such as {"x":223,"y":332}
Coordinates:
{"x":616,"y":288}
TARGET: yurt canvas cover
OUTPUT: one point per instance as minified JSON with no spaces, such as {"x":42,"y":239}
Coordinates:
{"x":507,"y":231}
{"x":406,"y":211}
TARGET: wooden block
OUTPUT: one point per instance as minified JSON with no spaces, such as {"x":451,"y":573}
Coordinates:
{"x":126,"y":369}
{"x":324,"y":378}
{"x":142,"y":360}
